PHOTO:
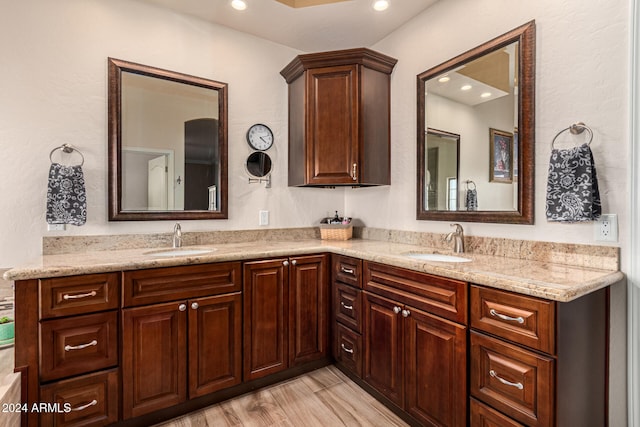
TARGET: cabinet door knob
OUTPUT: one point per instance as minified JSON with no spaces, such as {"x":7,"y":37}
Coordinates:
{"x":397,"y":309}
{"x":182,"y":307}
{"x":194,"y":305}
{"x":406,"y":313}
{"x":354,"y":172}
{"x":294,"y":262}
{"x":285,"y":263}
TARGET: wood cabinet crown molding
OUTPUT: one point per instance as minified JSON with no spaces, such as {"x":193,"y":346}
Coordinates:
{"x":361,"y":56}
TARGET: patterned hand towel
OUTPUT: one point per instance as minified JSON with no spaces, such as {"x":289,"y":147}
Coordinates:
{"x":572,"y":186}
{"x":472,"y":200}
{"x":66,"y":195}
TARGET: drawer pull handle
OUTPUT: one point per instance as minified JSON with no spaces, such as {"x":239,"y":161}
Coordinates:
{"x":518,"y":319}
{"x":348,"y":350}
{"x":347,"y":307}
{"x":347,"y":270}
{"x":80,"y":347}
{"x":519,"y":386}
{"x":67,"y":297}
{"x":83,"y":407}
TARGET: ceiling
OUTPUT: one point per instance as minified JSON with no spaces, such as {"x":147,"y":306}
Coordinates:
{"x":332,"y":26}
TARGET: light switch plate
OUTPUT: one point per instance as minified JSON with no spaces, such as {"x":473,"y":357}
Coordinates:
{"x":56,"y":227}
{"x":263,"y":218}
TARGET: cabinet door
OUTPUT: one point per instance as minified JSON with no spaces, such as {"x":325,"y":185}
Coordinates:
{"x":215,"y":343}
{"x":332,"y":132}
{"x":384,"y":363}
{"x":154,"y":357}
{"x":265,"y":317}
{"x":308,"y":309}
{"x":435,"y":370}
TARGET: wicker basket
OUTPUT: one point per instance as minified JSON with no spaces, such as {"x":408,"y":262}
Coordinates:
{"x":336,"y":231}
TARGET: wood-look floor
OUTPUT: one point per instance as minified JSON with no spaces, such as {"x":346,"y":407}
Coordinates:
{"x":322,"y":398}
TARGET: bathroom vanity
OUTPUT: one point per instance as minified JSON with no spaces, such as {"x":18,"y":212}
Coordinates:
{"x":129,"y":337}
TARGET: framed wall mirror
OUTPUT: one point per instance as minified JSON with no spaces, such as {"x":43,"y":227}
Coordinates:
{"x":167,"y":145}
{"x":484,"y":100}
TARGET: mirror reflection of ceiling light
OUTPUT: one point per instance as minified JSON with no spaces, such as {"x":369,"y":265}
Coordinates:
{"x":465,"y":87}
{"x":380,"y":5}
{"x":444,"y":79}
{"x":485,"y":95}
{"x":238,"y":4}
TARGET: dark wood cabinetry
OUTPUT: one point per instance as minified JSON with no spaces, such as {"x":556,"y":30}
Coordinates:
{"x":416,"y":359}
{"x":286,"y":313}
{"x":339,"y":117}
{"x":178,"y":350}
{"x":538,"y":362}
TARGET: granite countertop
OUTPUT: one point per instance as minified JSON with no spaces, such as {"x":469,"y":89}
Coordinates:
{"x":554,"y":281}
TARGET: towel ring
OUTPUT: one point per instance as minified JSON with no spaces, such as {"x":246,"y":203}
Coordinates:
{"x":66,"y":148}
{"x":575,"y":129}
{"x":467,"y":182}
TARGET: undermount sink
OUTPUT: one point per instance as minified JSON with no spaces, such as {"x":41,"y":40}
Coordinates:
{"x":437,"y":257}
{"x":179,"y":252}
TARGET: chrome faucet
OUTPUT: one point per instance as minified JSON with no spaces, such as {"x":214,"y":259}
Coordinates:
{"x":458,"y":238}
{"x":177,"y":236}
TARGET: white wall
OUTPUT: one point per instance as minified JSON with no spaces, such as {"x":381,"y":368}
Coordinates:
{"x":53,"y":90}
{"x":582,"y":69}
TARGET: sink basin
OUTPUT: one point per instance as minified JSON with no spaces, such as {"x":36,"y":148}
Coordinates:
{"x":179,"y":252}
{"x":437,"y":257}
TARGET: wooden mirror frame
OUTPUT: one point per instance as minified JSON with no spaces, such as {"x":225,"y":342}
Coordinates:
{"x":116,"y":67}
{"x":525,"y":35}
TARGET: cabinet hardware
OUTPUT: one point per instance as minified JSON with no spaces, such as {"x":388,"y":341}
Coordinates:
{"x":285,"y":263}
{"x":294,"y":262}
{"x":348,"y":350}
{"x":397,"y":309}
{"x":519,"y":386}
{"x":67,"y":297}
{"x":182,"y":307}
{"x":347,"y":307}
{"x":80,"y":347}
{"x":194,"y":305}
{"x":83,"y":407}
{"x":518,"y":319}
{"x":354,"y":172}
{"x":346,"y":270}
{"x":406,"y":313}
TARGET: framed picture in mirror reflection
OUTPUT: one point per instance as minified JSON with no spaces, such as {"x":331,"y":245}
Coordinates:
{"x":501,"y":156}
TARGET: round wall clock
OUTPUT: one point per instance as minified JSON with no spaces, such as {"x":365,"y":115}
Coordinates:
{"x":260,"y":137}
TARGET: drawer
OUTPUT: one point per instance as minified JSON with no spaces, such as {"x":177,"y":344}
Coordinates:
{"x":347,"y":306}
{"x":347,"y":270}
{"x":65,"y":296}
{"x":485,"y":416}
{"x":436,"y":295}
{"x":348,"y":349}
{"x":88,"y":400}
{"x":77,"y":345}
{"x":515,"y":381}
{"x":156,"y":285}
{"x":525,"y":320}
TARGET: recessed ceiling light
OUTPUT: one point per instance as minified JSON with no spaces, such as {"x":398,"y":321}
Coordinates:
{"x":444,"y":79}
{"x":485,"y":95}
{"x":238,"y":4}
{"x":465,"y":87}
{"x":380,"y":5}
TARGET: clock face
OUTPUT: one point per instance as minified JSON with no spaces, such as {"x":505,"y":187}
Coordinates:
{"x":260,"y":137}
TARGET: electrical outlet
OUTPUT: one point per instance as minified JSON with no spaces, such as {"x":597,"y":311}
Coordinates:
{"x":263,"y":218}
{"x":56,"y":227}
{"x":607,"y":228}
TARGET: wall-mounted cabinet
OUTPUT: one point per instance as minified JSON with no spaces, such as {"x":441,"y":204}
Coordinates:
{"x":339,"y":131}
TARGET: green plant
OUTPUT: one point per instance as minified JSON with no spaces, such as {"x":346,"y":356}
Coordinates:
{"x":5,"y":319}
